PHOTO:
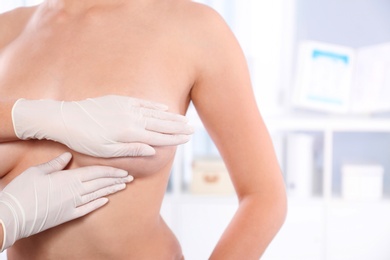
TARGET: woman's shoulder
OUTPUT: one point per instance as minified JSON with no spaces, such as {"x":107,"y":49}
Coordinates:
{"x":203,"y":26}
{"x":207,"y":35}
{"x":201,"y":15}
{"x":199,"y":9}
{"x":13,"y":22}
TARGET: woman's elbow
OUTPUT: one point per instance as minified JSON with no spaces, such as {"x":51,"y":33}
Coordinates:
{"x":281,"y":206}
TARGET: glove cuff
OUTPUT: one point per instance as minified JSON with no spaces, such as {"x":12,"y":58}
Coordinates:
{"x":35,"y":119}
{"x":9,"y":217}
{"x":13,"y":113}
{"x":4,"y":236}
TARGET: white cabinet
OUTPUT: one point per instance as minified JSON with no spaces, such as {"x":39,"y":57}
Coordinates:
{"x":358,"y":231}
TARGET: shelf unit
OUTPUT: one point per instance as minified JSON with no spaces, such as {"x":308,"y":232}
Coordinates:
{"x":326,"y":127}
{"x":330,"y":128}
{"x":338,"y":228}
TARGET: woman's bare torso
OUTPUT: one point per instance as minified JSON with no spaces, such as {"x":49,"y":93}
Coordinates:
{"x":72,"y":57}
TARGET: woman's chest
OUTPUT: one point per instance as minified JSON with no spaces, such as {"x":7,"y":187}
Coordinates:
{"x":72,"y":66}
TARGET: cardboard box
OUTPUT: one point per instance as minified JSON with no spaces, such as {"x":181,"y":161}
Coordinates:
{"x":362,"y":181}
{"x":210,"y":176}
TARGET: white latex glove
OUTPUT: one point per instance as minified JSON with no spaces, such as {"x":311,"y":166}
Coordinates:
{"x":44,"y":196}
{"x":109,"y":126}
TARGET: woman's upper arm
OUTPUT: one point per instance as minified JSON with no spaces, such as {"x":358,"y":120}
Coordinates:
{"x":224,"y":100}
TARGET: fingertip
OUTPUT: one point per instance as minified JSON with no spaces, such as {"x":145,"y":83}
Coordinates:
{"x":94,"y":205}
{"x":57,"y":163}
{"x":182,"y":118}
{"x":185,"y":138}
{"x":122,"y":173}
{"x":120,"y":187}
{"x":147,"y":150}
{"x":150,"y":152}
{"x":182,"y":139}
{"x":154,"y":105}
{"x":137,"y":149}
{"x":190,"y":129}
{"x":104,"y":201}
{"x":129,"y":178}
{"x":66,"y":156}
{"x":90,"y":207}
{"x":98,"y":203}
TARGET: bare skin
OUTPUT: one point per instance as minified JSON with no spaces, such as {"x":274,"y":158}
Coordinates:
{"x":171,"y":52}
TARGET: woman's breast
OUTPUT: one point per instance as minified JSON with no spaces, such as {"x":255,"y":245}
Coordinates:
{"x":24,"y":154}
{"x":138,"y":167}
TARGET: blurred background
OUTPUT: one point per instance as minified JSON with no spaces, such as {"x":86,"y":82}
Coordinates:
{"x":321,"y":75}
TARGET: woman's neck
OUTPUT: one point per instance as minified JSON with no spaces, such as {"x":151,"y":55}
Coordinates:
{"x":80,"y":6}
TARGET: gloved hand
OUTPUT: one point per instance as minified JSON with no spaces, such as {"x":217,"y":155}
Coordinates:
{"x":44,"y":196}
{"x":109,"y":126}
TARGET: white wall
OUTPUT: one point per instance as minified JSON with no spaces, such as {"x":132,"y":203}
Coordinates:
{"x":265,"y":30}
{"x":6,"y":5}
{"x":354,"y":23}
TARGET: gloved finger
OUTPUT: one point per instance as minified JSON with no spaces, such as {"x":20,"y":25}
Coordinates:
{"x":97,"y":184}
{"x":158,"y":139}
{"x":160,"y":126}
{"x":101,"y":193}
{"x":57,"y":164}
{"x":88,"y":208}
{"x":96,"y":172}
{"x":106,"y":101}
{"x":164,"y":115}
{"x":129,"y":149}
{"x":147,"y":104}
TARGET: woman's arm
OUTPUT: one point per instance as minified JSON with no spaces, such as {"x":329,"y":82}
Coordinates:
{"x":225,"y":102}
